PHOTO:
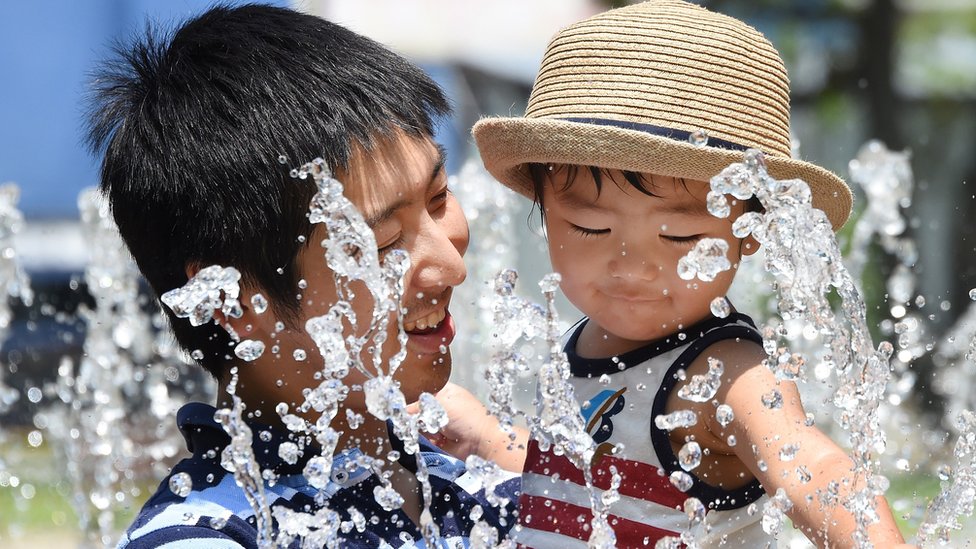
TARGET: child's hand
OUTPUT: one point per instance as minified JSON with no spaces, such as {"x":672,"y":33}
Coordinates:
{"x":467,"y":418}
{"x":471,"y":430}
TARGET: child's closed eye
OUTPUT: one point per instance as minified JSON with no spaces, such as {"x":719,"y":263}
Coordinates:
{"x":682,"y":240}
{"x":586,"y":232}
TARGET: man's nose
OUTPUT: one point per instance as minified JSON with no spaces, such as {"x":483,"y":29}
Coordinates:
{"x":438,"y":261}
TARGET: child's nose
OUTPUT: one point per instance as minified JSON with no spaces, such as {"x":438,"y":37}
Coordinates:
{"x":629,"y":262}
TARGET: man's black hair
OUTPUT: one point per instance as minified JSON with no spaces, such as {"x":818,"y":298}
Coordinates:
{"x":192,"y":124}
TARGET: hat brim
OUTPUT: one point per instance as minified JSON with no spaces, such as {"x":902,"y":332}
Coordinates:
{"x":506,"y":144}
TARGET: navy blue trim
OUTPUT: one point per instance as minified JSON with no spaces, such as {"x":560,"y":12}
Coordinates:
{"x":206,"y":439}
{"x":590,"y":367}
{"x":192,"y":535}
{"x":713,"y":497}
{"x":660,"y":131}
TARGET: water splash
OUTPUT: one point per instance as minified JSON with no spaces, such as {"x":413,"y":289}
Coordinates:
{"x":706,"y":260}
{"x":887,"y":181}
{"x":238,"y":458}
{"x":490,"y":209}
{"x":211,"y":289}
{"x":14,"y":283}
{"x":802,"y":254}
{"x":557,"y":422}
{"x":351,"y":253}
{"x":958,"y":495}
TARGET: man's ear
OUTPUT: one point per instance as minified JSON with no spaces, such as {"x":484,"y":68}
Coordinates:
{"x":240,"y":326}
{"x":192,"y":269}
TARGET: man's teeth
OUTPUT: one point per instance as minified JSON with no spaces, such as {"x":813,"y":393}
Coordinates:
{"x":429,"y":321}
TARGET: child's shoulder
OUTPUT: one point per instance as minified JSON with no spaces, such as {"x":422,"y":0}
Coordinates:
{"x":734,"y":354}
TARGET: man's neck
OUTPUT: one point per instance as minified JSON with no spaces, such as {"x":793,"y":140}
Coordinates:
{"x":371,"y":437}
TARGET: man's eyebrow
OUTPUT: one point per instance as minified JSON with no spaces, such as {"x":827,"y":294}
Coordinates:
{"x":438,"y":163}
{"x":386,"y":213}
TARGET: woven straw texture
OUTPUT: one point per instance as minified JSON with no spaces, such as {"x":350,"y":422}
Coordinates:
{"x":667,"y":68}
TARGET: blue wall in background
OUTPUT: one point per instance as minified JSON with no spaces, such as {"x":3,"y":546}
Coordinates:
{"x":48,"y":49}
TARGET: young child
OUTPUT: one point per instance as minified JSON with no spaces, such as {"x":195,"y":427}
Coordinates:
{"x":610,"y":149}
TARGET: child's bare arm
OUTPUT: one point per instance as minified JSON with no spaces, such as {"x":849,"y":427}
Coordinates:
{"x":783,"y":450}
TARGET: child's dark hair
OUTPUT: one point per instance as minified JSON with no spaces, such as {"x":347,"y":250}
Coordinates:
{"x":541,"y":175}
{"x":192,"y":124}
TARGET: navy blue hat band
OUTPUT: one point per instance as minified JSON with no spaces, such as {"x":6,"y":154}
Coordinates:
{"x":670,"y":133}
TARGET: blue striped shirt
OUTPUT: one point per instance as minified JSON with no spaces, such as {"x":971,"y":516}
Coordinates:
{"x":216,"y":515}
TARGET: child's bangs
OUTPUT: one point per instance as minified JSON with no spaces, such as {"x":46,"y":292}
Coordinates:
{"x":565,"y":175}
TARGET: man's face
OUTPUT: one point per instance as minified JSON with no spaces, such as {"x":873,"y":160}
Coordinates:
{"x":618,"y":253}
{"x":400,"y":188}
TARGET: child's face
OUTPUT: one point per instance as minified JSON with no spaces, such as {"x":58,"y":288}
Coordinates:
{"x":618,"y":252}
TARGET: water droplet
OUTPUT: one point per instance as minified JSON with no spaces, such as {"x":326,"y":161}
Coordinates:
{"x":720,"y":307}
{"x":803,"y":474}
{"x":282,"y":159}
{"x":318,"y":471}
{"x":550,"y":282}
{"x":604,"y":379}
{"x":702,"y":388}
{"x":773,"y":400}
{"x":675,"y":420}
{"x":259,"y":303}
{"x":694,"y":510}
{"x":388,"y":498}
{"x":681,"y":480}
{"x":689,"y":456}
{"x":718,"y":205}
{"x":706,"y":260}
{"x":299,"y":354}
{"x":698,"y":138}
{"x":35,"y":439}
{"x":196,"y":354}
{"x":289,"y":452}
{"x":774,"y":512}
{"x":181,"y":484}
{"x":34,"y":395}
{"x":754,"y":159}
{"x":724,"y":415}
{"x":249,"y":350}
{"x":788,"y":452}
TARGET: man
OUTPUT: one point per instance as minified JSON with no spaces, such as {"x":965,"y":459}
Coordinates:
{"x":199,"y":131}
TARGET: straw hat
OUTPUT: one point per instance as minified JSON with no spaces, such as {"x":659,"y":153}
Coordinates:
{"x":627,"y":88}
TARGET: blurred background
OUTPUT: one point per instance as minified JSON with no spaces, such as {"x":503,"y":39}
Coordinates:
{"x":902,"y":71}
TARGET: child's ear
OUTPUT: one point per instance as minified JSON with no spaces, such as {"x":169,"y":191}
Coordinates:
{"x":748,"y":246}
